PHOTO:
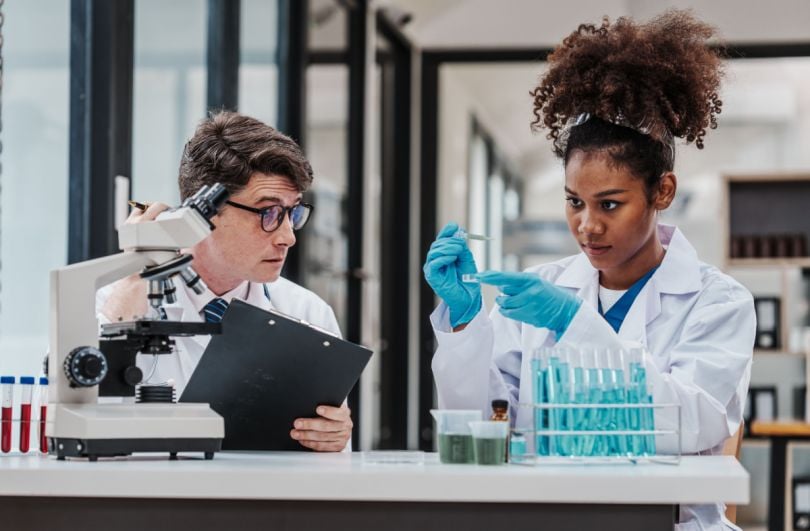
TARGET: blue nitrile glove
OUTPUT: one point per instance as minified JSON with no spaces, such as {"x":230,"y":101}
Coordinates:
{"x":448,"y":259}
{"x":528,"y":298}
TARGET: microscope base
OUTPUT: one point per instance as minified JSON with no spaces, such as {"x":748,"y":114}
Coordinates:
{"x":95,"y":448}
{"x":106,"y":430}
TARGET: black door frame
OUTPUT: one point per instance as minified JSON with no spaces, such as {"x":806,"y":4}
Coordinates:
{"x":395,"y":149}
{"x":100,"y":130}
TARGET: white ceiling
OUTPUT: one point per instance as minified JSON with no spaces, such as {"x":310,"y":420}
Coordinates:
{"x":543,"y":23}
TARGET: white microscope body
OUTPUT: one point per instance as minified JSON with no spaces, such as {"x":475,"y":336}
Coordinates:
{"x":77,"y":425}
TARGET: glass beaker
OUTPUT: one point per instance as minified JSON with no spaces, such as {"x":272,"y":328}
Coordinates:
{"x":489,"y":437}
{"x":454,"y":436}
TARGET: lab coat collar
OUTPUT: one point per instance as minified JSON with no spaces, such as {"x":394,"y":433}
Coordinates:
{"x":242,"y":291}
{"x":679,"y":272}
{"x":189,"y":307}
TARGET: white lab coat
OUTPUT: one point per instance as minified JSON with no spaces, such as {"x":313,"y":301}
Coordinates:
{"x":285,"y":297}
{"x":696,"y":323}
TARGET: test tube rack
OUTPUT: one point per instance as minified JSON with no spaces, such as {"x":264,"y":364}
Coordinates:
{"x":564,"y":446}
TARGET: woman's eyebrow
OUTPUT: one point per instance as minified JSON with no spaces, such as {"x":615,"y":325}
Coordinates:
{"x":612,"y":191}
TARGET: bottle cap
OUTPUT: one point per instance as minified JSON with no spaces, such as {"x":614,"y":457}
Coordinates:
{"x":43,"y":380}
{"x":27,"y":380}
{"x":7,"y":379}
{"x":500,"y":404}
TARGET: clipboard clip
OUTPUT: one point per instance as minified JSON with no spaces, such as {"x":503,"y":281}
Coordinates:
{"x":301,"y":321}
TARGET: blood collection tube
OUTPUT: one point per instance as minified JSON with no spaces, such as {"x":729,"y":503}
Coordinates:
{"x":43,"y":413}
{"x":27,"y":387}
{"x":6,"y":400}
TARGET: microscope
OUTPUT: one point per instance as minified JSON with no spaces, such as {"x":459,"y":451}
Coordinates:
{"x":81,"y":367}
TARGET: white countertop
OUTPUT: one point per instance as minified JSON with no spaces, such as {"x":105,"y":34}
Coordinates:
{"x":310,"y":476}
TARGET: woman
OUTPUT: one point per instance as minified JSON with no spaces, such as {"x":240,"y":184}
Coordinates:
{"x":614,"y":99}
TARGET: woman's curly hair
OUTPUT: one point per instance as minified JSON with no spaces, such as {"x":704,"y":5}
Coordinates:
{"x":659,"y":78}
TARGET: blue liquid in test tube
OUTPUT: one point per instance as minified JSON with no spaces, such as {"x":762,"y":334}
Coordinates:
{"x":579,"y":395}
{"x":621,"y":420}
{"x":554,"y":390}
{"x":540,"y":396}
{"x":646,"y":416}
{"x":591,"y":445}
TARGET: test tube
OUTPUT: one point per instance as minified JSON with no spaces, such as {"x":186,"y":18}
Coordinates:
{"x":43,"y":413}
{"x":27,"y":385}
{"x":578,"y":395}
{"x":6,"y":403}
{"x":540,"y":396}
{"x":461,"y":233}
{"x":470,"y":278}
{"x":592,"y":395}
{"x":638,"y":381}
{"x":620,"y":415}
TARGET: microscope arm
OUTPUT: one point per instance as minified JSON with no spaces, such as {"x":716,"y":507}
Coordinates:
{"x":73,"y":311}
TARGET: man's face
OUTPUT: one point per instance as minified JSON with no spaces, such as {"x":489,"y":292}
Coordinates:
{"x":239,"y":249}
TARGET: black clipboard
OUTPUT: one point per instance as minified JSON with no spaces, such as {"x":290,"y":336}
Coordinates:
{"x":267,"y":369}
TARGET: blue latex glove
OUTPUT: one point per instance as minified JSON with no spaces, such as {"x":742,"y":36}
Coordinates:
{"x":528,"y":298}
{"x":448,"y":259}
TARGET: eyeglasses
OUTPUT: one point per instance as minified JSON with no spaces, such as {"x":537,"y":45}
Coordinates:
{"x":273,"y":216}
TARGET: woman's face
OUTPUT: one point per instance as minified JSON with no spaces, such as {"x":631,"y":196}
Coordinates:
{"x":609,"y":212}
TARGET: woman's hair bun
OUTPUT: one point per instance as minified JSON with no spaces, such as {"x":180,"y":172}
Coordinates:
{"x":660,"y":78}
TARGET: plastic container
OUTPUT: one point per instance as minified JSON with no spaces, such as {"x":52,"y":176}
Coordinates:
{"x":454,"y":436}
{"x":489,"y":438}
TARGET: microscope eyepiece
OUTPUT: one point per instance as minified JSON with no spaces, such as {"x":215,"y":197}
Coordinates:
{"x":208,"y":200}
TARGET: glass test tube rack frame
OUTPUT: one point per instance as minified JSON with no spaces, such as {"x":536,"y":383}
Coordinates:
{"x":533,"y":458}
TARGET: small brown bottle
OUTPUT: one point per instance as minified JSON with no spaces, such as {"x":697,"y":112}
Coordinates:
{"x":500,"y":412}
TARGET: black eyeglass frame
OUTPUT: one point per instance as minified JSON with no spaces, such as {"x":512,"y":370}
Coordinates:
{"x":285,"y":212}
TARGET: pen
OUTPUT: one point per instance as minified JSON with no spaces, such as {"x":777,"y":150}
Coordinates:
{"x":140,"y":206}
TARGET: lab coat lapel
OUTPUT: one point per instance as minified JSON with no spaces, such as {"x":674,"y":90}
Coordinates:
{"x":583,"y":277}
{"x":679,"y":273}
{"x":644,"y":310}
{"x":184,"y":310}
{"x":257,"y":298}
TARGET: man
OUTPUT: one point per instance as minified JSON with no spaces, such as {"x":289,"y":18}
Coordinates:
{"x":266,"y":174}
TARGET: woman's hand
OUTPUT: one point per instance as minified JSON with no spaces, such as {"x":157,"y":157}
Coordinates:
{"x":329,"y":432}
{"x":526,"y":297}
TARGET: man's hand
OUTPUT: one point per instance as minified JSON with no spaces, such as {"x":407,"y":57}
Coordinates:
{"x":127,"y":301}
{"x":329,"y":432}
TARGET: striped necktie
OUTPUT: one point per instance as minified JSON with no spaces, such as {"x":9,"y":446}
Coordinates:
{"x":214,"y":310}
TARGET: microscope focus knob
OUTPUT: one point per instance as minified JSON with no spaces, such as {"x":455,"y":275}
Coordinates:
{"x":85,"y":367}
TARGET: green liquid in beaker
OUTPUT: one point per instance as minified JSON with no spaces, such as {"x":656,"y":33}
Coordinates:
{"x":490,"y":451}
{"x":456,"y":448}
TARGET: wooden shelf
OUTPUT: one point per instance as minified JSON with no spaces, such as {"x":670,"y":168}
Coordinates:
{"x":790,"y":428}
{"x":769,"y":262}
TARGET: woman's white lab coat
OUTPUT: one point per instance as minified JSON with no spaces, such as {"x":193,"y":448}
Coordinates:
{"x":696,"y":323}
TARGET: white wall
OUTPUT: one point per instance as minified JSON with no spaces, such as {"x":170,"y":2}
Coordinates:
{"x":34,"y":196}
